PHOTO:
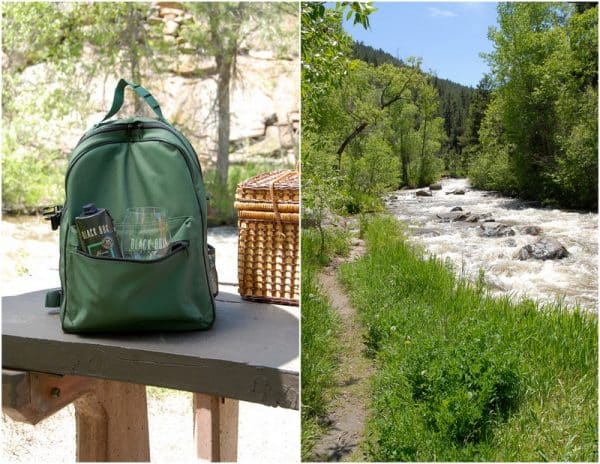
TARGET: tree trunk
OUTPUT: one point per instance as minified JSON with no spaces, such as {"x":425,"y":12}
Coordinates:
{"x":422,"y":160}
{"x":224,"y":69}
{"x":363,"y":125}
{"x":134,"y":22}
{"x":403,"y":159}
{"x":349,"y":139}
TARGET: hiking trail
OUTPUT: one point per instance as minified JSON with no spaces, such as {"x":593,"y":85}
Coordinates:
{"x":349,"y":408}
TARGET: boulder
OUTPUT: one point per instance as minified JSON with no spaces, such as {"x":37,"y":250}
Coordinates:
{"x":485,"y":217}
{"x":457,"y":214}
{"x":453,"y":216}
{"x":423,"y":193}
{"x":436,"y":186}
{"x":495,"y":229}
{"x":424,"y":232}
{"x":511,"y":242}
{"x":170,"y":27}
{"x":543,"y":248}
{"x":170,"y":12}
{"x":456,"y":192}
{"x":531,"y":230}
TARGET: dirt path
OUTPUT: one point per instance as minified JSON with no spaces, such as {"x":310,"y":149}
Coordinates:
{"x":349,"y":408}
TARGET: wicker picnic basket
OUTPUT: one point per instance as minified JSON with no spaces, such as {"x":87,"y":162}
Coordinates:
{"x":268,"y":207}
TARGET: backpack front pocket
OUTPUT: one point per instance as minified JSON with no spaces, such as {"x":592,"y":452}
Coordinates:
{"x":111,"y":294}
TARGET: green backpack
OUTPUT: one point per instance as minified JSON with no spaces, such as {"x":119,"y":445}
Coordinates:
{"x":124,"y":163}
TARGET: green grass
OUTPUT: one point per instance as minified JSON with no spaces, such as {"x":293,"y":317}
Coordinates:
{"x":319,"y":336}
{"x":462,"y":376}
{"x":220,"y":206}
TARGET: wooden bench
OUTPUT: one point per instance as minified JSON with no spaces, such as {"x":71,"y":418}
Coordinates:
{"x":251,"y":354}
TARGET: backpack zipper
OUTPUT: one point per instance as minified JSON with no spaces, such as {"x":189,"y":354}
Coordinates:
{"x":130,"y":127}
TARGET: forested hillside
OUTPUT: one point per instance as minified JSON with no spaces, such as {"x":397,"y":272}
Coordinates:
{"x":454,"y":105}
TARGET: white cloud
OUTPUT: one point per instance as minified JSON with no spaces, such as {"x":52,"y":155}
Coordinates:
{"x":438,"y":12}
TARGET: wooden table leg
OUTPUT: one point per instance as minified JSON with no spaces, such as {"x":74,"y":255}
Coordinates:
{"x":112,"y":419}
{"x":112,"y":424}
{"x":216,"y":427}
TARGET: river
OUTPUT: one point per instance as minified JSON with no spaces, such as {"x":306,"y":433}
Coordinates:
{"x":573,"y":279}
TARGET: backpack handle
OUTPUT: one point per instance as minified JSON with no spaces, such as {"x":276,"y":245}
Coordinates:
{"x":141,"y":91}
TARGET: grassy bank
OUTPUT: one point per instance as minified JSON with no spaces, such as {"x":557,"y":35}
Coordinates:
{"x":463,"y":376}
{"x":319,"y":336}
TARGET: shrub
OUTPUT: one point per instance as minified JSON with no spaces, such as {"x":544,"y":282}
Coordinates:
{"x":465,"y":385}
{"x":30,"y":182}
{"x":220,"y":206}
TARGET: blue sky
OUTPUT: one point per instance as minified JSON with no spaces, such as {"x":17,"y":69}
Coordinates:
{"x":447,"y":36}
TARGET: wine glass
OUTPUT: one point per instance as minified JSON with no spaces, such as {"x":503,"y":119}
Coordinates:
{"x":144,"y":233}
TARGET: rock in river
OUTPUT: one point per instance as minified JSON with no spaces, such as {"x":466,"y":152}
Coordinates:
{"x":531,"y":230}
{"x":437,"y":186}
{"x":495,"y":229}
{"x":459,"y":215}
{"x":453,"y":216}
{"x":543,"y":248}
{"x":422,"y":193}
{"x":456,"y":208}
{"x":456,"y":192}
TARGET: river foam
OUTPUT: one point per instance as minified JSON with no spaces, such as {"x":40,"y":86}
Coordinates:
{"x":573,"y":279}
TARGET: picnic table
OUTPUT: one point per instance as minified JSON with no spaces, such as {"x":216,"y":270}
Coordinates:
{"x":250,"y":354}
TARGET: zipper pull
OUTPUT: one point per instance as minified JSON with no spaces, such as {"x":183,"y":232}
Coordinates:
{"x":176,"y":246}
{"x":139,"y":128}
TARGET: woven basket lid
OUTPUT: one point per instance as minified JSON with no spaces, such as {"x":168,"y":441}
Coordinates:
{"x":285,"y":185}
{"x":283,"y":179}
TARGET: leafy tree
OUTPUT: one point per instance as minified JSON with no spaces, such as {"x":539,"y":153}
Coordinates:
{"x":544,"y":70}
{"x":479,"y":103}
{"x":325,"y":52}
{"x":366,"y":128}
{"x":427,"y":103}
{"x":220,"y":30}
{"x":492,"y":168}
{"x":470,"y":140}
{"x":576,"y":175}
{"x":46,"y":77}
{"x":454,"y":102}
{"x":404,"y":138}
{"x":390,"y":86}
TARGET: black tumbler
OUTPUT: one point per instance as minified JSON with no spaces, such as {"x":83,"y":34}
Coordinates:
{"x":97,"y":235}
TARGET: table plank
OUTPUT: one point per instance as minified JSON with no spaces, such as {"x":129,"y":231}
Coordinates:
{"x":250,"y":354}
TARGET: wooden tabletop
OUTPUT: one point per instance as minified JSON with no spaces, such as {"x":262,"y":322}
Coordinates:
{"x":250,"y":354}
